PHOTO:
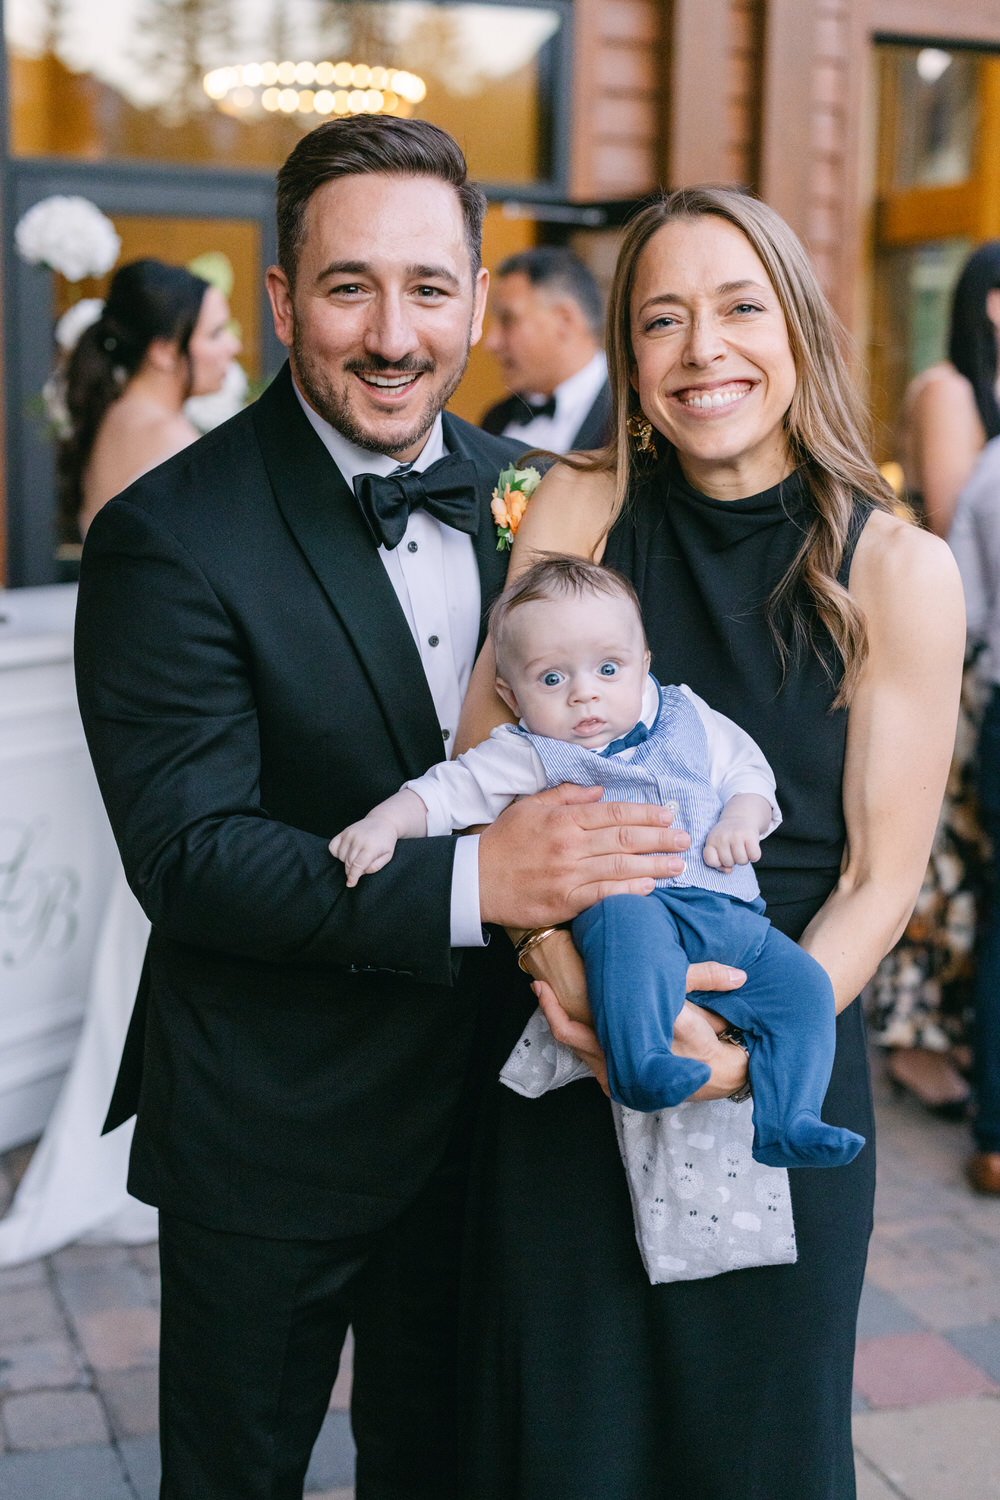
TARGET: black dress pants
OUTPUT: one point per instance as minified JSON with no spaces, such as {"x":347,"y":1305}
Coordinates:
{"x":251,"y":1336}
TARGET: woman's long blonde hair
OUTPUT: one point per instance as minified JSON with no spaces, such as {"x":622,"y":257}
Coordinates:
{"x":826,"y":423}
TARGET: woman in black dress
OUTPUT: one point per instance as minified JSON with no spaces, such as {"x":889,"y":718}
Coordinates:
{"x":738,"y":494}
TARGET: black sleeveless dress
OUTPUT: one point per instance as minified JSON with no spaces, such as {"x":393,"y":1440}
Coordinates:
{"x":582,"y":1381}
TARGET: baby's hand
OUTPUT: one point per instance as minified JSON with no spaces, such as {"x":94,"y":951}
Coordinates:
{"x":365,"y":847}
{"x":731,"y":842}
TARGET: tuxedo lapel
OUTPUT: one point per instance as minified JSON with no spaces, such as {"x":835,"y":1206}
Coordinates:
{"x":462,"y":438}
{"x":326,"y":522}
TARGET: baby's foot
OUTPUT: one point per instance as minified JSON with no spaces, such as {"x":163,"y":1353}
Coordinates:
{"x":809,"y":1142}
{"x":660,"y":1081}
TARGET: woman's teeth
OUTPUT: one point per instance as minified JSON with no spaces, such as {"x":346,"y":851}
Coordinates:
{"x":711,"y":398}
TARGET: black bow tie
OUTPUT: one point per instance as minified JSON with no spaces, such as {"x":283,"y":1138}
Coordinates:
{"x":526,"y":411}
{"x":446,"y":490}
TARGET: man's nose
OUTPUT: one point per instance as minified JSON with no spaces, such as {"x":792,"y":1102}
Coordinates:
{"x":389,"y":331}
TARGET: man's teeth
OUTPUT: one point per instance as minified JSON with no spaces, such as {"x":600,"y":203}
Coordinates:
{"x":388,"y":382}
{"x":711,"y":398}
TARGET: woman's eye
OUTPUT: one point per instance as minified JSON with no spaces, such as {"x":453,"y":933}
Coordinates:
{"x":608,"y":669}
{"x":552,"y":679}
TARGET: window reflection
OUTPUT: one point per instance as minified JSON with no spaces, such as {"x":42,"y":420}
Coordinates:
{"x":935,"y":115}
{"x":126,"y":78}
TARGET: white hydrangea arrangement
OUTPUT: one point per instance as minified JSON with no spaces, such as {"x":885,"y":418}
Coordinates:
{"x":76,"y":320}
{"x":69,"y":235}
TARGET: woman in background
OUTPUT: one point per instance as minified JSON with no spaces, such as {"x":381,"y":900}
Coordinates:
{"x":163,"y":336}
{"x":922,"y":995}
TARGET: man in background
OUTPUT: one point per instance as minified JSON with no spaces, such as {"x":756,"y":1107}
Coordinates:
{"x":547,"y":333}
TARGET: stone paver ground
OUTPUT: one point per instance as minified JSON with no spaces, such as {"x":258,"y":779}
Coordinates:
{"x":78,"y":1337}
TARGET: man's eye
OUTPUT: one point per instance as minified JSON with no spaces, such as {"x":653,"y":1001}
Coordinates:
{"x":552,"y":679}
{"x":608,"y":668}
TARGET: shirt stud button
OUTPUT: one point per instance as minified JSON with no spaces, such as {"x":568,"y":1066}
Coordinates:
{"x":433,"y":640}
{"x":411,"y":547}
{"x":446,"y":734}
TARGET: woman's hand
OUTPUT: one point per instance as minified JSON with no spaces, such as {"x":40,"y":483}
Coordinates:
{"x":696,"y":1030}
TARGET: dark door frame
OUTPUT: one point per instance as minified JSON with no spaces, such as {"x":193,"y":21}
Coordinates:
{"x":122,"y":188}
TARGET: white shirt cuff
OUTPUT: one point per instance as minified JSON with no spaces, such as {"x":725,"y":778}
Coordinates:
{"x":466,"y":925}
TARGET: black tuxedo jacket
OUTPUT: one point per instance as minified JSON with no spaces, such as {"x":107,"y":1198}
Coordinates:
{"x":592,"y":432}
{"x":248,"y":686}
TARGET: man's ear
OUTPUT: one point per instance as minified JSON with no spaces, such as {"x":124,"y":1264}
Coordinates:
{"x":479,"y":295}
{"x":282,"y":310}
{"x":506,"y":692}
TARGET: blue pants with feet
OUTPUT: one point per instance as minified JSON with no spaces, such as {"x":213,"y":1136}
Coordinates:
{"x":636,"y":951}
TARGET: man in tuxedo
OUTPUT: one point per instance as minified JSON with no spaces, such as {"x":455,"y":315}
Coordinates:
{"x":272,"y":634}
{"x":547,"y":332}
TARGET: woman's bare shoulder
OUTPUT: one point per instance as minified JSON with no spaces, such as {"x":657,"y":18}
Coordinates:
{"x":939,"y":389}
{"x":569,"y":512}
{"x":897,"y":563}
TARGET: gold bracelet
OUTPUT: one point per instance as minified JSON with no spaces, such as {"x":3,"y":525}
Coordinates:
{"x":531,"y":940}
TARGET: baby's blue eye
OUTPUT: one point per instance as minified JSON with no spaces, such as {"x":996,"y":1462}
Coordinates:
{"x":607,"y":669}
{"x":552,"y":679}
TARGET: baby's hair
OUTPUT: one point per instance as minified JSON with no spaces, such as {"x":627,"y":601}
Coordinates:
{"x":556,"y":576}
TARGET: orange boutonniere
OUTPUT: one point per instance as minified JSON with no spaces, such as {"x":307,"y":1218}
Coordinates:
{"x":514,"y":489}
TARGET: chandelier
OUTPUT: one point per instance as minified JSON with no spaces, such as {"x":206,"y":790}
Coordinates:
{"x":306,"y":88}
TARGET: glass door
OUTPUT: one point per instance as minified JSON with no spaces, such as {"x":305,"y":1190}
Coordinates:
{"x":938,"y":196}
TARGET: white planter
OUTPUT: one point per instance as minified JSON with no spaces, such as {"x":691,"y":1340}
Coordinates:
{"x":57,"y":856}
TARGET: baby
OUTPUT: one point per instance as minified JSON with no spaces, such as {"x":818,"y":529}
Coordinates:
{"x":573,"y":664}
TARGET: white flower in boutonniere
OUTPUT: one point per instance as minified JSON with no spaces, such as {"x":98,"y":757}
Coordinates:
{"x":69,"y":235}
{"x":514,"y":489}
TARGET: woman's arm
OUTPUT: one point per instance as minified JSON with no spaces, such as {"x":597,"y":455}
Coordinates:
{"x":568,"y":513}
{"x":900,"y":738}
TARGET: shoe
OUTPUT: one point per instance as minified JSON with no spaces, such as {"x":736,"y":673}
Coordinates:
{"x":983,"y":1171}
{"x":930,"y":1079}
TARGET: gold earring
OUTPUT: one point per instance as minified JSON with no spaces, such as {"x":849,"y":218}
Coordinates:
{"x":640,"y":430}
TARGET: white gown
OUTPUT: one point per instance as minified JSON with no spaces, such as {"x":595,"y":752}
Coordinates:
{"x":74,"y":1187}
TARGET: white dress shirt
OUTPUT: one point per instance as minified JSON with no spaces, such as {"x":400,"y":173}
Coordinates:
{"x":436,"y":580}
{"x":573,"y":398}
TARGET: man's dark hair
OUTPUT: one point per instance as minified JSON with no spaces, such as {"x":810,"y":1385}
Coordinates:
{"x":553,"y":266}
{"x":366,"y":145}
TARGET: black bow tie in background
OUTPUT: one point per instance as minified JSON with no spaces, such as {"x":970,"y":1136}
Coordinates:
{"x":446,"y":490}
{"x":526,"y":411}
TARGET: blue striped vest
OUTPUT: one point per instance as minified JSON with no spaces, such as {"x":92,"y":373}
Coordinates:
{"x":669,"y":768}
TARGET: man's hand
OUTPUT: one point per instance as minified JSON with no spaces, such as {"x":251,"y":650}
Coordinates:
{"x":550,"y":856}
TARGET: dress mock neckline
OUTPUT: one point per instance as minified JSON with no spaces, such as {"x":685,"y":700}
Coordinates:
{"x":726,"y":523}
{"x":786,"y":497}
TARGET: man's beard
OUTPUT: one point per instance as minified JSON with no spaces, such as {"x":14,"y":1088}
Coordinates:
{"x":335,"y":408}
